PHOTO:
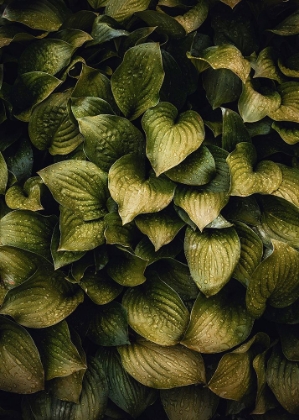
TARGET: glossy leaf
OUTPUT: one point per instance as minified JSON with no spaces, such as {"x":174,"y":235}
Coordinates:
{"x":289,"y":341}
{"x":221,"y":179}
{"x":78,"y":185}
{"x":289,"y":132}
{"x":170,"y":137}
{"x":104,"y":30}
{"x":121,"y":10}
{"x":27,"y":197}
{"x":194,"y":17}
{"x":100,"y":287}
{"x":288,"y":109}
{"x":67,"y":388}
{"x":217,"y":324}
{"x":117,"y":234}
{"x":234,"y":130}
{"x":275,"y":280}
{"x":73,"y":36}
{"x":165,"y":24}
{"x":3,"y":174}
{"x":289,"y":26}
{"x":289,"y":66}
{"x":265,"y":65}
{"x":127,"y":177}
{"x":129,"y":270}
{"x":212,"y":257}
{"x":89,"y":106}
{"x":231,"y":3}
{"x":289,"y":187}
{"x":156,"y":312}
{"x":137,"y":80}
{"x":162,"y":367}
{"x":62,"y":258}
{"x":21,"y":369}
{"x":145,"y":250}
{"x":41,"y":301}
{"x":109,"y":137}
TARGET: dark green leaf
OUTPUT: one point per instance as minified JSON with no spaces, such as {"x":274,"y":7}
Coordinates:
{"x":3,"y":174}
{"x":194,"y":17}
{"x":234,"y":130}
{"x":289,"y":341}
{"x":288,"y":131}
{"x":289,"y":26}
{"x":100,"y":287}
{"x":164,"y":23}
{"x":104,"y":29}
{"x":62,"y":258}
{"x":121,"y":10}
{"x":265,"y":65}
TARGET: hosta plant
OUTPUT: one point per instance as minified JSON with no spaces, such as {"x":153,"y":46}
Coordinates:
{"x":149,"y":209}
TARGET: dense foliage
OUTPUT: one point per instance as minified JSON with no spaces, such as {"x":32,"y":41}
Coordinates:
{"x":149,"y":209}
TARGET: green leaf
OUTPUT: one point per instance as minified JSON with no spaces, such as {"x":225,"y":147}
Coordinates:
{"x":126,"y":177}
{"x":62,"y":258}
{"x":189,"y":403}
{"x":231,"y":3}
{"x":288,"y":26}
{"x":164,"y":24}
{"x":47,"y":15}
{"x":100,"y":287}
{"x":283,"y":379}
{"x":27,"y":197}
{"x":51,"y":127}
{"x":145,"y":250}
{"x":29,"y":90}
{"x":117,"y":234}
{"x":45,"y":299}
{"x":104,"y":29}
{"x":137,"y":80}
{"x":226,"y":56}
{"x":59,"y":354}
{"x":221,"y":86}
{"x":251,"y":253}
{"x":109,"y":137}
{"x":128,"y":394}
{"x":289,"y":187}
{"x":265,"y":65}
{"x":121,"y":10}
{"x":67,"y":388}
{"x":21,"y":370}
{"x":170,"y":137}
{"x":74,"y":37}
{"x":234,"y":130}
{"x":275,"y":280}
{"x":290,"y":65}
{"x":109,"y":327}
{"x":46,"y":55}
{"x":156,"y":312}
{"x":89,"y":106}
{"x":162,"y":367}
{"x":247,"y":177}
{"x":221,"y":179}
{"x":3,"y":174}
{"x":217,"y":323}
{"x":27,"y":230}
{"x":289,"y":107}
{"x":91,"y":406}
{"x":79,"y":186}
{"x":21,"y":162}
{"x":194,"y":17}
{"x":201,"y":206}
{"x":289,"y":339}
{"x":212,"y":257}
{"x":96,"y":4}
{"x":161,"y":227}
{"x":255,"y":104}
{"x":288,"y":131}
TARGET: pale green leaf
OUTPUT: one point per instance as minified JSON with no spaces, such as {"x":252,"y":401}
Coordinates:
{"x":170,"y":137}
{"x":3,"y":174}
{"x":21,"y":370}
{"x":288,"y":131}
{"x":100,"y":287}
{"x":162,"y":367}
{"x":212,"y":257}
{"x":234,"y":130}
{"x":78,"y":185}
{"x":156,"y":312}
{"x":289,"y":187}
{"x":121,"y":10}
{"x":89,"y":106}
{"x":217,"y":323}
{"x":247,"y":177}
{"x":265,"y":65}
{"x":275,"y":280}
{"x":134,"y":192}
{"x":108,"y":137}
{"x":137,"y":80}
{"x":194,"y":17}
{"x":289,"y":107}
{"x":27,"y":197}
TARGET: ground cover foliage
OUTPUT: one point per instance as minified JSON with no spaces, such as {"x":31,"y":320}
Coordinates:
{"x":149,"y":209}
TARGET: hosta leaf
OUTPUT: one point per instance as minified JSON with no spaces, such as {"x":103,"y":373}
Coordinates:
{"x":74,"y":37}
{"x":275,"y":280}
{"x":109,"y":327}
{"x":47,"y":15}
{"x":156,"y":312}
{"x":280,"y":220}
{"x":89,"y":106}
{"x":290,"y":66}
{"x":251,"y":253}
{"x":289,"y":132}
{"x":104,"y":29}
{"x":189,"y":403}
{"x":247,"y":178}
{"x":129,"y":270}
{"x":221,"y":86}
{"x":217,"y":324}
{"x":108,"y":137}
{"x":265,"y":65}
{"x":194,"y":17}
{"x":289,"y":187}
{"x":197,"y":169}
{"x":21,"y":369}
{"x":234,"y":130}
{"x":226,"y":56}
{"x":116,"y":233}
{"x":59,"y":354}
{"x":134,"y":192}
{"x":160,"y":228}
{"x":67,"y":388}
{"x":201,"y":206}
{"x":145,"y":250}
{"x":62,"y":258}
{"x":96,"y":4}
{"x":27,"y":197}
{"x":221,"y":179}
{"x":289,"y":341}
{"x":3,"y":174}
{"x":100,"y":287}
{"x":137,"y":80}
{"x":254,"y":106}
{"x":289,"y":107}
{"x":46,"y":55}
{"x":91,"y":406}
{"x":50,"y":126}
{"x":21,"y":162}
{"x":288,"y":26}
{"x":283,"y":379}
{"x":27,"y":230}
{"x":121,"y":10}
{"x":43,"y":300}
{"x":78,"y":185}
{"x":29,"y":90}
{"x":231,"y":3}
{"x":162,"y":367}
{"x":212,"y":257}
{"x":170,"y":137}
{"x":125,"y":391}
{"x":164,"y":23}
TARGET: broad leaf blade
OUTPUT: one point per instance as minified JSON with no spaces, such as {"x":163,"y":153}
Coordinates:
{"x":234,"y":130}
{"x":3,"y":174}
{"x":27,"y":197}
{"x":121,"y":10}
{"x":100,"y":288}
{"x":289,"y":187}
{"x":288,"y":109}
{"x":129,"y":270}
